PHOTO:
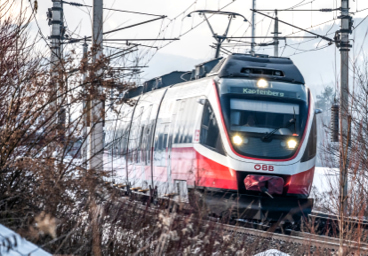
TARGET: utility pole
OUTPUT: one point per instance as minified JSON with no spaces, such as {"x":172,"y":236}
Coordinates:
{"x":55,"y":20}
{"x":253,"y":27}
{"x":346,"y":24}
{"x":97,"y":107}
{"x":344,"y":94}
{"x":85,"y":109}
{"x":276,"y":36}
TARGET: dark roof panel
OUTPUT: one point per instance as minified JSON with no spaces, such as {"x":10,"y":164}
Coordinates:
{"x":234,"y":65}
{"x":166,"y":80}
{"x":245,"y":65}
{"x":201,"y":70}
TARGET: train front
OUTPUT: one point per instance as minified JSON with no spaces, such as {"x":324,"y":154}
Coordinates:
{"x":269,"y":123}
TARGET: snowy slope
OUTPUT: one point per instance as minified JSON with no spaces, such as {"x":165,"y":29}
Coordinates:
{"x":19,"y":246}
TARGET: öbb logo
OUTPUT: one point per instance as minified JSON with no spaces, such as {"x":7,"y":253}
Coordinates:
{"x":264,"y":167}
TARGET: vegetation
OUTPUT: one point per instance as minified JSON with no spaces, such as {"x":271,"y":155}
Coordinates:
{"x":51,"y":198}
{"x":326,"y":98}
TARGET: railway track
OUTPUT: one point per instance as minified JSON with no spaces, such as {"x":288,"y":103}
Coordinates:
{"x":276,"y":231}
{"x":328,"y":218}
{"x":301,"y":238}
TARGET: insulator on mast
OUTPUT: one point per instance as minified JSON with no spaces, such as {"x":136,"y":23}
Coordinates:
{"x":335,"y":123}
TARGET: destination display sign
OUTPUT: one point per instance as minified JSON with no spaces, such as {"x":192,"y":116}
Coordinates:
{"x":263,"y":92}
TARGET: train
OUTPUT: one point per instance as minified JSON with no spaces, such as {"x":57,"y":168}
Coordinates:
{"x":239,"y":130}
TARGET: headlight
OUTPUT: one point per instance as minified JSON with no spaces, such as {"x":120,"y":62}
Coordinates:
{"x":291,"y":144}
{"x":237,"y":140}
{"x":262,"y":83}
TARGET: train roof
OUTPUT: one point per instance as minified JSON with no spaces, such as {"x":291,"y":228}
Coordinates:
{"x":233,"y":66}
{"x":245,"y":65}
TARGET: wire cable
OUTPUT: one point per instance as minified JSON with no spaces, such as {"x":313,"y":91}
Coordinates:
{"x":111,"y":9}
{"x":360,"y":22}
{"x":188,"y":31}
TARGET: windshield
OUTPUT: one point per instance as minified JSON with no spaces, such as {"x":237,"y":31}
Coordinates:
{"x":263,"y":117}
{"x":250,"y":121}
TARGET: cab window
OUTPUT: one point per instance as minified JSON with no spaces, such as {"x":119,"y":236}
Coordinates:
{"x":210,"y":133}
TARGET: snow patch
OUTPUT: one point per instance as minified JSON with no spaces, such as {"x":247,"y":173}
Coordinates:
{"x":12,"y":244}
{"x":272,"y":252}
{"x":325,"y":179}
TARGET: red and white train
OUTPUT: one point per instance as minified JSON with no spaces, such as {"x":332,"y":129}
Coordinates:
{"x":242,"y":128}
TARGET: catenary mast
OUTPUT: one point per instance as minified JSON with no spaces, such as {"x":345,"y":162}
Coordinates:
{"x":253,"y":27}
{"x":97,"y":106}
{"x":346,"y":24}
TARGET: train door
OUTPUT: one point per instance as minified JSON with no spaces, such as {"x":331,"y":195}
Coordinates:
{"x":121,"y":134}
{"x":150,"y":144}
{"x":143,"y":149}
{"x":133,"y":153}
{"x":173,"y":124}
{"x":183,"y":164}
{"x":115,"y":128}
{"x":160,"y":154}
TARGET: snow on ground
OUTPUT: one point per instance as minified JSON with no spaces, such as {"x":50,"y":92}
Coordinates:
{"x":325,"y":185}
{"x":18,"y":245}
{"x":272,"y":252}
{"x":325,"y":179}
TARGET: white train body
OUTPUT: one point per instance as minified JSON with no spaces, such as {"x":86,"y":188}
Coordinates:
{"x":227,"y":132}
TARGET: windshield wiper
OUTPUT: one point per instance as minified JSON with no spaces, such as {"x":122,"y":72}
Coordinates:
{"x":269,"y":135}
{"x":291,"y":121}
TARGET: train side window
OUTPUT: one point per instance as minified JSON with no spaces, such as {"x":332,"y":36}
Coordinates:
{"x":164,"y":145}
{"x":141,"y":145}
{"x":192,"y":108}
{"x":210,"y":133}
{"x":310,"y":150}
{"x":146,"y":135}
{"x":179,"y":123}
{"x":149,"y":141}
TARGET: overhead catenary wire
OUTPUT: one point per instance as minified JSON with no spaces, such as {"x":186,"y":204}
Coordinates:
{"x":303,"y":30}
{"x":302,"y":10}
{"x":323,"y":37}
{"x":355,"y":27}
{"x":161,"y":30}
{"x":302,"y":3}
{"x":298,"y":43}
{"x":268,"y":30}
{"x":361,"y":10}
{"x":297,"y":5}
{"x":118,"y":29}
{"x":137,"y":39}
{"x":334,"y":22}
{"x":172,"y":21}
{"x":189,"y":30}
{"x":326,"y":33}
{"x":111,"y":9}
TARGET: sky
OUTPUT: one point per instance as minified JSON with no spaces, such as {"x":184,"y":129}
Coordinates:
{"x":319,"y":67}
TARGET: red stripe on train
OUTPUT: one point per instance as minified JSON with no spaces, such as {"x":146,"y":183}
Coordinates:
{"x":301,"y":183}
{"x":190,"y":165}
